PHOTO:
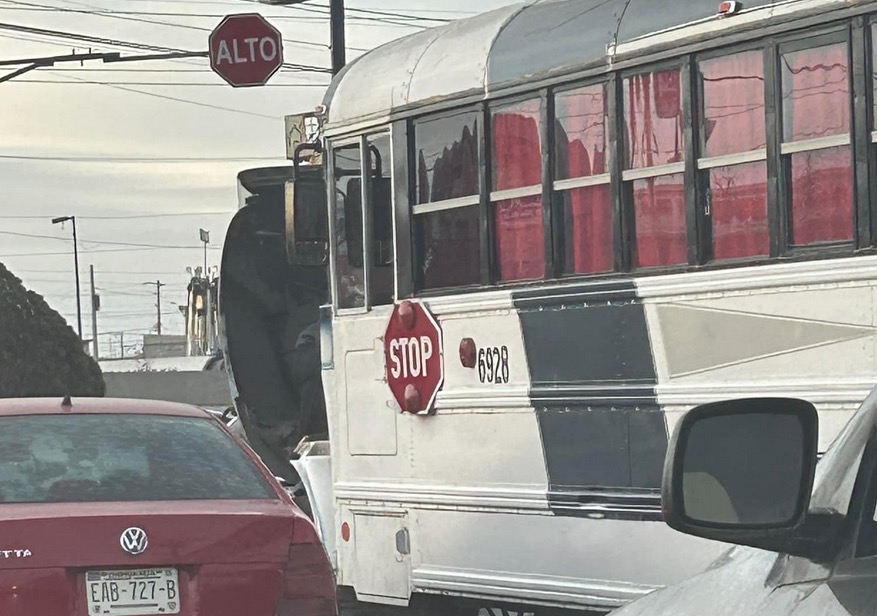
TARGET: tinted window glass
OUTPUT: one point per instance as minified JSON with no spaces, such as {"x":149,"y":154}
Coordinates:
{"x":659,"y":210}
{"x":738,"y":196}
{"x":653,"y":118}
{"x":450,"y":247}
{"x":382,"y":278}
{"x":822,"y":196}
{"x":816,"y":92}
{"x":587,"y":216}
{"x":446,"y":151}
{"x":101,"y":458}
{"x":581,"y":125}
{"x":520,"y":238}
{"x":733,"y":103}
{"x":348,"y":227}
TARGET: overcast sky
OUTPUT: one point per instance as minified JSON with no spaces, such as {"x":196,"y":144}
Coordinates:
{"x":55,"y":113}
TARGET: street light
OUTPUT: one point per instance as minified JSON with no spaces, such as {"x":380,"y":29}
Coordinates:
{"x":205,"y":239}
{"x":63,"y":219}
{"x":336,"y":17}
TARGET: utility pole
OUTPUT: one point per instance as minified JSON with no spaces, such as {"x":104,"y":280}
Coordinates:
{"x":95,"y":307}
{"x":158,"y":304}
{"x":158,"y":286}
{"x":63,"y":219}
{"x":339,"y":45}
{"x":336,"y":15}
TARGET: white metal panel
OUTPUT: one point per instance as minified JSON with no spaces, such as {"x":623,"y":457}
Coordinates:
{"x":381,"y":571}
{"x":316,"y":474}
{"x":378,"y":81}
{"x":457,"y":61}
{"x":570,"y":561}
{"x":488,"y":328}
{"x":371,"y":419}
{"x":417,"y":68}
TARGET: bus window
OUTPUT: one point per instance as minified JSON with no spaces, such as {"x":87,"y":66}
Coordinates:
{"x":349,"y":271}
{"x":517,"y":190}
{"x":381,"y":276}
{"x":734,"y":162}
{"x":816,"y":143}
{"x":581,"y":178}
{"x":447,"y":222}
{"x":655,"y":165}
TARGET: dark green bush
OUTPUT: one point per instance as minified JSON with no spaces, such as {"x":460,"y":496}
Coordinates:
{"x":40,"y":354}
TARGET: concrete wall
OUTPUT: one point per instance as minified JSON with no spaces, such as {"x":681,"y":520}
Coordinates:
{"x":206,"y":389}
{"x":163,"y":346}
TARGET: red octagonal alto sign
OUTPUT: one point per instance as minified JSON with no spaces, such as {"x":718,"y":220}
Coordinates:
{"x":413,"y":351}
{"x":245,"y":50}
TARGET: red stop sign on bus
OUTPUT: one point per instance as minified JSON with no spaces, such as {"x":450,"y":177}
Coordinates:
{"x":245,"y":50}
{"x":413,"y":351}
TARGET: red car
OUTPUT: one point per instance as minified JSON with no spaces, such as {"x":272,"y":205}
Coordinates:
{"x":133,"y":508}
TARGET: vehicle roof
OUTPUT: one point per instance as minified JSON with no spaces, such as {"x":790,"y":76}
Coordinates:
{"x":100,"y":406}
{"x":526,"y":42}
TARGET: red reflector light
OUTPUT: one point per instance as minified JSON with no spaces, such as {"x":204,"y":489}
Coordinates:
{"x":729,"y":8}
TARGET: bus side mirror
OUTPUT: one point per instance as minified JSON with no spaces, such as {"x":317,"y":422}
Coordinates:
{"x":741,"y":471}
{"x":307,"y":219}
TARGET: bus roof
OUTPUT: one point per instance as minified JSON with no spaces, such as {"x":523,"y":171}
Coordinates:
{"x":528,"y":42}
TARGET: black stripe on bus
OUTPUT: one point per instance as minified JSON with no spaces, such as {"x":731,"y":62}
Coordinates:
{"x":602,"y":504}
{"x":593,"y":383}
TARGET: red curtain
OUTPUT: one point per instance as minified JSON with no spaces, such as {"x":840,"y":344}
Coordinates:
{"x":739,"y":211}
{"x":822,"y":196}
{"x":661,"y":235}
{"x":517,"y":156}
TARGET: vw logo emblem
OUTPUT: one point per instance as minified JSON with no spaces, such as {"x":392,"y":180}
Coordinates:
{"x":134,"y":541}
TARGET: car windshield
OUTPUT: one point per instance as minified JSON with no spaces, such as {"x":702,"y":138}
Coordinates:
{"x":101,"y":458}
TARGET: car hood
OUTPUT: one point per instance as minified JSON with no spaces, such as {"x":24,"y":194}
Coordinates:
{"x":746,"y":582}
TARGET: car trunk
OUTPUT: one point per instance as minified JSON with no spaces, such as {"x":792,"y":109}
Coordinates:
{"x":216,"y":558}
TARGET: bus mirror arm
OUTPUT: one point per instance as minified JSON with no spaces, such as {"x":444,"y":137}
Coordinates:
{"x":313,"y":148}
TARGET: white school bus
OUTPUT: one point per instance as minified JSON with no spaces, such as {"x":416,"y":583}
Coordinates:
{"x":612,"y":210}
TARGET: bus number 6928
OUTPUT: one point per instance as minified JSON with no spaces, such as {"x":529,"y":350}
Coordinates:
{"x":493,"y":365}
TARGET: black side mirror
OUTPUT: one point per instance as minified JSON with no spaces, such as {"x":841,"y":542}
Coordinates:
{"x":741,"y":471}
{"x":307,"y":218}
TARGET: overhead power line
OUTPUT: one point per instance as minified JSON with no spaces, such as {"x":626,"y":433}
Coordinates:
{"x":124,"y":216}
{"x":162,"y":84}
{"x":97,"y":40}
{"x":67,"y":253}
{"x":113,"y":15}
{"x":100,"y":242}
{"x":123,"y":159}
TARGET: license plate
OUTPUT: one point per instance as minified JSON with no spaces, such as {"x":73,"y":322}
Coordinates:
{"x":132,"y":592}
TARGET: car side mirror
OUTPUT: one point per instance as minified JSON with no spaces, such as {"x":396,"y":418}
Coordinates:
{"x":741,"y":471}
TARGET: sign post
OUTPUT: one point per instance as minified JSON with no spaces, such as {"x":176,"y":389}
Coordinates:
{"x":413,"y":351}
{"x":245,"y":50}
